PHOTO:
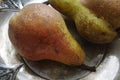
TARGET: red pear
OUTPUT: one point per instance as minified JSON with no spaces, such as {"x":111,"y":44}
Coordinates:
{"x":39,"y":32}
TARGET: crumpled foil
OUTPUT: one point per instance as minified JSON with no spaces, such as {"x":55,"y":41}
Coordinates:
{"x":108,"y":70}
{"x":10,"y":5}
{"x":9,"y":73}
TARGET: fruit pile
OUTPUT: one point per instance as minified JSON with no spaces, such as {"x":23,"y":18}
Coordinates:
{"x":39,"y":31}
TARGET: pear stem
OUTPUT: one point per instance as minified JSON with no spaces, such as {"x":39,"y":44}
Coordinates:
{"x":86,"y":67}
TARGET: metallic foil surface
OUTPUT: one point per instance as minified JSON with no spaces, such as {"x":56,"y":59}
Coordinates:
{"x":109,"y":69}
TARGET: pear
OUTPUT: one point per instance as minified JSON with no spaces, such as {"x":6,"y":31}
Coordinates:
{"x":89,"y":26}
{"x":108,"y":9}
{"x":38,"y":32}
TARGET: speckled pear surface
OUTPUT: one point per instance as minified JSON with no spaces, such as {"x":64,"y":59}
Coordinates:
{"x":39,"y":32}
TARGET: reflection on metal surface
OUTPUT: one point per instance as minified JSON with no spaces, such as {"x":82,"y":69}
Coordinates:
{"x":9,"y":72}
{"x":108,"y":70}
{"x":26,"y":2}
{"x":10,"y":5}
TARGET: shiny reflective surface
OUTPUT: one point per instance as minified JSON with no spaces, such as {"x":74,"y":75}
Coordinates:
{"x":57,"y":71}
{"x":10,"y":5}
{"x":8,"y":72}
{"x":109,"y":69}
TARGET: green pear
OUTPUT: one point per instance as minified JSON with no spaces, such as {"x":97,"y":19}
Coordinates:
{"x":108,"y":9}
{"x":89,"y":26}
{"x":38,"y":32}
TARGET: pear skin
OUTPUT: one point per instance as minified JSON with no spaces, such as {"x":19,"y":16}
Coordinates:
{"x":108,"y":9}
{"x":89,"y":26}
{"x":38,"y":32}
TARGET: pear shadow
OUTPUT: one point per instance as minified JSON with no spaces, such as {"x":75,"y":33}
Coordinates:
{"x":52,"y":70}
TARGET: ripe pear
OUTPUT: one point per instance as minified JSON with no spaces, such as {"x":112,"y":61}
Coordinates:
{"x":108,"y":9}
{"x":89,"y":26}
{"x":38,"y":32}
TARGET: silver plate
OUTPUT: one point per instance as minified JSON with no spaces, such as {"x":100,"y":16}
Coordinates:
{"x":57,"y":71}
{"x":109,"y":69}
